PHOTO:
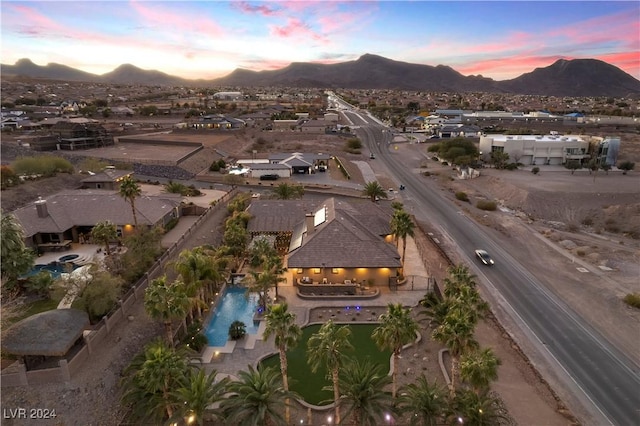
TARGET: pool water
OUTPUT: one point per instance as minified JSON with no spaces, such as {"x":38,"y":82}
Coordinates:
{"x":68,"y":257}
{"x":54,"y":268}
{"x":234,"y":306}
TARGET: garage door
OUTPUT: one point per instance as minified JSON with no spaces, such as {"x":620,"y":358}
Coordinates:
{"x":539,"y":161}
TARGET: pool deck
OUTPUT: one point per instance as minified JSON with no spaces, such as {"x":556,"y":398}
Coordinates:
{"x":236,"y":356}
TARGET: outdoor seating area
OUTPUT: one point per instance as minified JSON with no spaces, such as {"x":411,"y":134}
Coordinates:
{"x":57,"y":246}
{"x":308,"y":287}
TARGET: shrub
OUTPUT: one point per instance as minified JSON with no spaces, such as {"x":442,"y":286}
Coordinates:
{"x":41,"y":166}
{"x":487,"y":205}
{"x":462,"y":196}
{"x":237,"y":330}
{"x":8,"y":178}
{"x":581,"y":253}
{"x":587,"y":221}
{"x":625,"y":166}
{"x":535,"y":170}
{"x":194,"y":339}
{"x":171,"y":224}
{"x":632,"y":299}
{"x":511,"y":166}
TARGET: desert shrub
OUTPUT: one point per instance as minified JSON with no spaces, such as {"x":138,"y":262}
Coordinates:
{"x":625,"y":166}
{"x":612,"y":227}
{"x":462,"y":196}
{"x":41,"y":166}
{"x":171,"y":224}
{"x":426,"y":174}
{"x":535,"y":170}
{"x":8,"y":177}
{"x":511,"y":166}
{"x":572,"y":227}
{"x":92,"y":164}
{"x":632,"y":299}
{"x":218,"y":165}
{"x":587,"y":221}
{"x":487,"y":205}
{"x":353,"y":146}
{"x":581,"y":253}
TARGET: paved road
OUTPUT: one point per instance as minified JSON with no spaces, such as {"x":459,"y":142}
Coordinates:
{"x":596,"y":375}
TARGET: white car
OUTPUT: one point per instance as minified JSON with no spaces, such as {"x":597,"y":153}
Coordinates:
{"x":484,"y":257}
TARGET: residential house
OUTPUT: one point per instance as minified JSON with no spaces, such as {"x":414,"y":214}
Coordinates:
{"x":109,"y":178}
{"x":331,"y":242}
{"x":62,"y":218}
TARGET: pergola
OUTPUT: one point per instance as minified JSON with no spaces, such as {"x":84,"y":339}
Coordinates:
{"x":47,"y":334}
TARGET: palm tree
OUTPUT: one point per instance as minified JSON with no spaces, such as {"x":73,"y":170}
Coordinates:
{"x":397,"y":328}
{"x":261,"y":282}
{"x":166,"y":302}
{"x":374,"y":191}
{"x":327,"y":348}
{"x":195,"y":268}
{"x":198,"y":390}
{"x":149,"y":381}
{"x":256,"y":399}
{"x":456,"y":333}
{"x":402,"y":227}
{"x":281,"y":324}
{"x":284,"y":191}
{"x":105,"y":232}
{"x":362,"y":388}
{"x":130,"y":190}
{"x":479,"y":368}
{"x":469,"y":408}
{"x":424,"y":402}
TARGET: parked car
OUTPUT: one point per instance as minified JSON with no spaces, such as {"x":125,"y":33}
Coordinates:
{"x":372,"y":156}
{"x":484,"y":257}
{"x":269,"y":177}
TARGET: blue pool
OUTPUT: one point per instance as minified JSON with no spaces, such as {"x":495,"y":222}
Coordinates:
{"x":234,"y":306}
{"x":54,"y":268}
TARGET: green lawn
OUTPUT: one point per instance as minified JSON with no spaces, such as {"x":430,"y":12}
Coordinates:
{"x":33,"y":308}
{"x":308,"y":384}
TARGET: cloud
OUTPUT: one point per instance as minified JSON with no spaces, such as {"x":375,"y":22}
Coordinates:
{"x":262,"y":9}
{"x":176,"y":21}
{"x":295,"y":28}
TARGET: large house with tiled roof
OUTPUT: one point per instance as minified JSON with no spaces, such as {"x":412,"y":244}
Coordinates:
{"x":62,"y":218}
{"x":332,"y":241}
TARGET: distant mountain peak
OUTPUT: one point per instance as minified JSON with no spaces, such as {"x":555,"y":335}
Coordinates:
{"x":565,"y":77}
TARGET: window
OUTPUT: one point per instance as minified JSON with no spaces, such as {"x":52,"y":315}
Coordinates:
{"x":299,"y":271}
{"x":316,"y":270}
{"x":334,"y":270}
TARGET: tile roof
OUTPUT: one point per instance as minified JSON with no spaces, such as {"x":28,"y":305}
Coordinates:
{"x":86,"y":207}
{"x":349,"y":235}
{"x":107,"y":175}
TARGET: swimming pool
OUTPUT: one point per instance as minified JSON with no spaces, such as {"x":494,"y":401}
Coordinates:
{"x":234,"y":306}
{"x":53,"y":268}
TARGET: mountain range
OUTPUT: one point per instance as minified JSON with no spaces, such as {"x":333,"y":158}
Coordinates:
{"x":577,"y":77}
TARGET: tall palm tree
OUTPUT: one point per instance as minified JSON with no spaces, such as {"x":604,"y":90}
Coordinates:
{"x":373,"y":190}
{"x":166,"y":302}
{"x":362,"y":392}
{"x":282,"y":325}
{"x":285,"y":191}
{"x":456,"y":333}
{"x":469,"y":408}
{"x":402,"y":227}
{"x":149,"y":382}
{"x":130,"y":190}
{"x":479,"y":368}
{"x":424,"y":402}
{"x":195,"y":268}
{"x":327,"y":348}
{"x":105,"y":232}
{"x":397,"y":328}
{"x":197,"y":391}
{"x":256,"y":398}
